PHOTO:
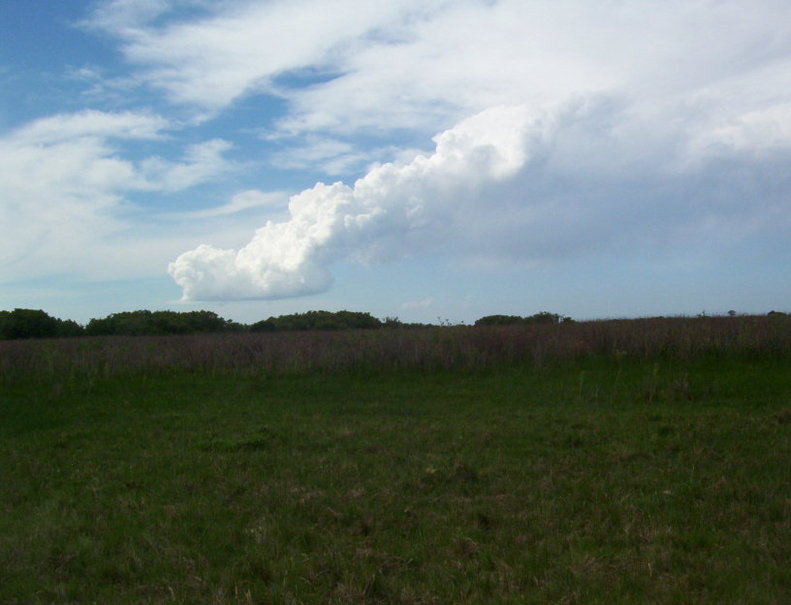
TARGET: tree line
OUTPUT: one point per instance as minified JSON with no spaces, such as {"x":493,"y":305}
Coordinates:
{"x":508,"y":320}
{"x":35,"y":323}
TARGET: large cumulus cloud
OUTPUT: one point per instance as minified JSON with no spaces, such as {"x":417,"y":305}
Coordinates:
{"x":515,"y":183}
{"x":394,"y":210}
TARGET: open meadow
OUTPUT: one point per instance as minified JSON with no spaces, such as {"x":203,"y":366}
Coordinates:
{"x":633,"y":461}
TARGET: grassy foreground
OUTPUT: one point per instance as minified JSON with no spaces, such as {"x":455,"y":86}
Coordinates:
{"x":595,"y":481}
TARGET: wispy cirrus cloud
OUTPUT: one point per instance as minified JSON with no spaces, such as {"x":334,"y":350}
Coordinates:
{"x":64,"y":181}
{"x":374,"y":66}
{"x":201,"y":163}
{"x":239,"y":47}
{"x":418,"y":304}
{"x":241,"y":202}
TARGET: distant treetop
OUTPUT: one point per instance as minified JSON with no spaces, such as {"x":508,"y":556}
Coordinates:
{"x":506,"y":320}
{"x":318,"y":320}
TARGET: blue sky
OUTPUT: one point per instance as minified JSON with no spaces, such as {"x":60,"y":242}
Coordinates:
{"x":426,"y":159}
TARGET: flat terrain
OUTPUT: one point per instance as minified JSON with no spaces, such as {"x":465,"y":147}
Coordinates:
{"x":594,"y":481}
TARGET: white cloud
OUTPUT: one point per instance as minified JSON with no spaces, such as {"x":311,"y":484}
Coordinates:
{"x":213,"y":60}
{"x":241,"y":202}
{"x":600,"y":128}
{"x":332,"y":156}
{"x":413,"y":63}
{"x":393,"y":210}
{"x":760,"y":131}
{"x":359,"y":67}
{"x":417,"y":304}
{"x":509,"y":183}
{"x":63,"y":183}
{"x":201,"y":163}
{"x":125,"y":15}
{"x":89,"y":123}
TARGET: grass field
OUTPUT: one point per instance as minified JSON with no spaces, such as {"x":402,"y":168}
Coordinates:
{"x":603,"y":479}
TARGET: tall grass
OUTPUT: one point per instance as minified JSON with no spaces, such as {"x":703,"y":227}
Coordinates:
{"x":459,"y":347}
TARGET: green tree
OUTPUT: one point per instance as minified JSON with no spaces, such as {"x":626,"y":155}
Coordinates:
{"x":69,"y":329}
{"x":143,"y":322}
{"x":28,"y":323}
{"x":318,"y":320}
{"x":499,"y":320}
{"x":539,"y":318}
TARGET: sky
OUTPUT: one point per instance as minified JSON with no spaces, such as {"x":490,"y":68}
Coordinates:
{"x":432,"y":160}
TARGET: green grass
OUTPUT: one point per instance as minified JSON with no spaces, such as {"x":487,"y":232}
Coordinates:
{"x":584,"y":482}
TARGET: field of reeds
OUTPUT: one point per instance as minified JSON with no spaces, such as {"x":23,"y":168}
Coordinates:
{"x":624,"y":461}
{"x":448,"y":347}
